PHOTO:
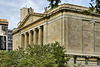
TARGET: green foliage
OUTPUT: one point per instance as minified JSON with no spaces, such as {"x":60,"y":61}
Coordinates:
{"x":87,"y":12}
{"x":59,"y":53}
{"x":50,"y":55}
{"x":95,"y":6}
{"x":54,"y":3}
{"x":11,"y":58}
{"x":79,"y":65}
{"x":39,"y":56}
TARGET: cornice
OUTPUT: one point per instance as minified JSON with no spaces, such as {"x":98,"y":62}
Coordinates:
{"x":62,"y":7}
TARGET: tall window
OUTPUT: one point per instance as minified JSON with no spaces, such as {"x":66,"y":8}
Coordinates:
{"x":75,"y":59}
{"x":2,"y":42}
{"x":86,"y":61}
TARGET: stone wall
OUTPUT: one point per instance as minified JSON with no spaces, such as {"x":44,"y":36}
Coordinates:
{"x":75,"y":35}
{"x":54,"y":30}
{"x":16,"y":41}
{"x":97,"y":38}
{"x":83,"y":34}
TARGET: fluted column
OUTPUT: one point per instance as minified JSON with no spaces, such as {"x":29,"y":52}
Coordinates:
{"x":35,"y":36}
{"x":30,"y":37}
{"x":40,"y":36}
{"x":25,"y":40}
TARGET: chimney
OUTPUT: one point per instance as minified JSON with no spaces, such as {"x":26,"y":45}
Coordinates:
{"x":23,"y":13}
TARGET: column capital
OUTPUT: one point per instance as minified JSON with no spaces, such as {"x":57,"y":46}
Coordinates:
{"x":34,"y":29}
{"x":25,"y":33}
{"x":29,"y":31}
{"x":40,"y":27}
{"x":22,"y":33}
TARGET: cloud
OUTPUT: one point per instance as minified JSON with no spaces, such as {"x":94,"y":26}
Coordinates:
{"x":10,"y":10}
{"x":14,"y":22}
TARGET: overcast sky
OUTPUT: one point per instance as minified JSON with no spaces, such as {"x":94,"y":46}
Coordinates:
{"x":10,"y":9}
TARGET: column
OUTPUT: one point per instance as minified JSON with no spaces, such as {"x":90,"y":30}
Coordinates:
{"x":30,"y":37}
{"x":22,"y":41}
{"x":35,"y":36}
{"x":40,"y":36}
{"x":45,"y":32}
{"x":25,"y":41}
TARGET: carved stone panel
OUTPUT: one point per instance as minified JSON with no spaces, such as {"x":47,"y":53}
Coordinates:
{"x":86,"y":37}
{"x":75,"y":35}
{"x":97,"y":37}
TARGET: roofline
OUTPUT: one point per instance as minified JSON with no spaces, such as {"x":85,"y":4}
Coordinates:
{"x":61,"y":7}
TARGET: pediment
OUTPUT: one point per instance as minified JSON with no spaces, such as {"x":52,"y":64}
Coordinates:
{"x":30,"y":20}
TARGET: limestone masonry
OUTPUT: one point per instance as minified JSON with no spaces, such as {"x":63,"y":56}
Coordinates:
{"x":78,"y":32}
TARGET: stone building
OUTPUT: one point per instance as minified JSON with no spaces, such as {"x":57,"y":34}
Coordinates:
{"x":10,"y":43}
{"x":3,"y":34}
{"x":68,"y":24}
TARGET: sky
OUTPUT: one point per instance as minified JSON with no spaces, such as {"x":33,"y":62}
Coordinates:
{"x":10,"y":9}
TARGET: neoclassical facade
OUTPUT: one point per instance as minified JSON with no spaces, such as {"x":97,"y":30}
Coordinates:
{"x":70,"y":25}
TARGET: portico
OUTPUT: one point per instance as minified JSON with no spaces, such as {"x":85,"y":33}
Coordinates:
{"x":34,"y":36}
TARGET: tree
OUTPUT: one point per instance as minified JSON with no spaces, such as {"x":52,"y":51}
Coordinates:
{"x":8,"y":59}
{"x":79,"y":65}
{"x":59,"y":53}
{"x":49,"y":55}
{"x":39,"y":56}
{"x":57,"y":2}
{"x":95,"y":6}
{"x":54,"y":3}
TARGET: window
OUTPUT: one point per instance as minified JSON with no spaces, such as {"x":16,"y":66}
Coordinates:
{"x":3,"y":28}
{"x":75,"y":59}
{"x":98,"y":61}
{"x":2,"y":42}
{"x":86,"y":61}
